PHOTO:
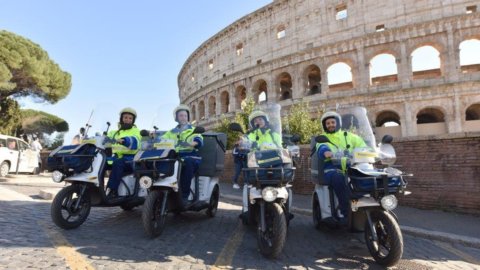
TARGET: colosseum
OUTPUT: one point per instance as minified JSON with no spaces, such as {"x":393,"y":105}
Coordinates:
{"x":415,"y":65}
{"x":288,"y":51}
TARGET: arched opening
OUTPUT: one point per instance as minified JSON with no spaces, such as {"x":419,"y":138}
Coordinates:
{"x":212,"y":104}
{"x":314,"y":80}
{"x":383,"y":69}
{"x":472,"y":118}
{"x":193,"y":117}
{"x":201,"y":110}
{"x":284,"y":80}
{"x":431,"y":121}
{"x":225,"y":102}
{"x":426,"y":63}
{"x":473,"y":112}
{"x":387,"y":122}
{"x":260,"y":91}
{"x":240,"y":96}
{"x":387,"y":118}
{"x":470,"y":56}
{"x":339,"y":76}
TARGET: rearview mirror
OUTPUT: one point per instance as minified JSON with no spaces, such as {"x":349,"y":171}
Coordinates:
{"x":235,"y":127}
{"x":387,"y":139}
{"x":144,"y":133}
{"x":322,"y":139}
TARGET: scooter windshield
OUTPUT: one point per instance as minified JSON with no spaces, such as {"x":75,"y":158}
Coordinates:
{"x":355,"y":120}
{"x":102,"y":115}
{"x":154,"y":139}
{"x":265,"y":128}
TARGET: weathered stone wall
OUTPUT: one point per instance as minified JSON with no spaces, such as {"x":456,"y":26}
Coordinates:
{"x":446,"y":172}
{"x":314,"y":38}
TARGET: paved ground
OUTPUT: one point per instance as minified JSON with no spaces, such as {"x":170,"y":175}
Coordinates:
{"x":114,"y":239}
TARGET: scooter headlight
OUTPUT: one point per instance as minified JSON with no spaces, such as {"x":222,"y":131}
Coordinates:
{"x":57,"y":176}
{"x":145,"y":182}
{"x":269,"y":194}
{"x":389,"y":202}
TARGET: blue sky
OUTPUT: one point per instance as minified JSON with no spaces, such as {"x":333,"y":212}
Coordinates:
{"x":119,"y":53}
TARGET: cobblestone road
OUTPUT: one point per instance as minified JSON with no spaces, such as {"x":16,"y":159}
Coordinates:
{"x":114,"y":239}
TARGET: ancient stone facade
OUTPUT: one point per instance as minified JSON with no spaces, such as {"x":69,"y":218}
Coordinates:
{"x":283,"y":52}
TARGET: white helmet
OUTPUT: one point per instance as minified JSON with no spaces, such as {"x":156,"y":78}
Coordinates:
{"x":255,"y":114}
{"x":181,"y":107}
{"x":328,"y":115}
{"x":129,"y":111}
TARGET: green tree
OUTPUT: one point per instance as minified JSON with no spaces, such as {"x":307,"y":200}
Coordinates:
{"x":298,"y":121}
{"x":10,"y":116}
{"x":240,"y":118}
{"x":37,"y":122}
{"x":27,"y":70}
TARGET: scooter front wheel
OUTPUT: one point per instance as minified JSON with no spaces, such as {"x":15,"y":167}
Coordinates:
{"x":69,"y":210}
{"x":271,"y":241}
{"x":388,"y":248}
{"x":154,"y":214}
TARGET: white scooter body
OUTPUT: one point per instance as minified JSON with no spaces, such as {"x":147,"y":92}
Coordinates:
{"x":127,"y":184}
{"x":205,"y":184}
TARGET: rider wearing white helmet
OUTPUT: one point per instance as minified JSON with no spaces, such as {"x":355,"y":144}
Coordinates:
{"x":340,"y":142}
{"x":187,"y":144}
{"x":128,"y":143}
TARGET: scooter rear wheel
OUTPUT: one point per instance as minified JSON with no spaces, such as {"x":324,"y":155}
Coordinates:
{"x":388,"y":250}
{"x":64,"y":212}
{"x":213,"y":205}
{"x":152,"y":217}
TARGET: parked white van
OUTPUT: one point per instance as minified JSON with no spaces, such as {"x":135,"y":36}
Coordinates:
{"x":15,"y":151}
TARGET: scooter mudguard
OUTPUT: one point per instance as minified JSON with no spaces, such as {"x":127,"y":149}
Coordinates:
{"x":171,"y":181}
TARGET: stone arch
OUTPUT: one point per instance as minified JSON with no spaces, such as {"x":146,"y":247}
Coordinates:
{"x":383,"y":69}
{"x":426,"y":62}
{"x":469,"y":55}
{"x":224,"y":102}
{"x":240,"y":96}
{"x":260,"y":91}
{"x":284,"y":81}
{"x":388,"y":122}
{"x":313,"y":80}
{"x":472,"y":112}
{"x":340,"y":76}
{"x":472,"y":118}
{"x":430,"y":115}
{"x":201,"y":110}
{"x":431,"y":121}
{"x":193,"y":117}
{"x":212,"y":104}
{"x":386,"y":117}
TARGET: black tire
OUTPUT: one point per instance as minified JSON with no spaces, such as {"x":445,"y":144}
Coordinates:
{"x":272,"y":241}
{"x":389,"y":249}
{"x":153,"y":220}
{"x":62,"y":208}
{"x":213,"y":204}
{"x":316,"y":213}
{"x":4,"y":169}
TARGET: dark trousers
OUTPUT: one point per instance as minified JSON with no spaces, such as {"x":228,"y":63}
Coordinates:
{"x":119,"y":168}
{"x":337,"y":181}
{"x":190,"y":166}
{"x":238,"y":169}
